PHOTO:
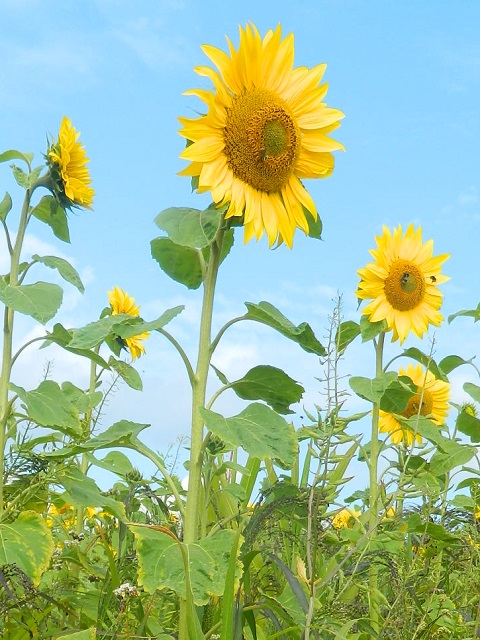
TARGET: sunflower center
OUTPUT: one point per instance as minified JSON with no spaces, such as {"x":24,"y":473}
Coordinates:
{"x":261,"y":139}
{"x":419,"y":403}
{"x":404,"y":285}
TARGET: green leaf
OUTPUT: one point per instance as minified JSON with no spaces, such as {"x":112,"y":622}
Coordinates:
{"x":88,"y":634}
{"x":182,"y":264}
{"x":191,"y":227}
{"x":135,"y":326}
{"x":372,"y":389}
{"x":470,"y":313}
{"x":64,"y":268}
{"x":473,"y":390}
{"x":427,"y":361}
{"x":161,"y":563}
{"x":346,"y":333}
{"x":83,"y":492}
{"x":370,"y":330}
{"x":449,"y":363}
{"x":40,"y":300}
{"x":266,"y":313}
{"x":271,"y":385}
{"x":397,"y":395}
{"x":95,"y":333}
{"x":258,"y":430}
{"x":432,"y":432}
{"x":441,"y":463}
{"x":115,"y":462}
{"x":63,"y":337}
{"x":27,"y":542}
{"x":49,"y":406}
{"x":314,"y":225}
{"x":49,"y":211}
{"x":13,"y":154}
{"x":5,"y":206}
{"x":127,"y":373}
{"x":469,"y":425}
{"x":120,"y":434}
{"x":82,"y":400}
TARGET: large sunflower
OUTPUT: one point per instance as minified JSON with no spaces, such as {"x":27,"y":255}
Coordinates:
{"x":431,"y":400}
{"x":68,"y":166}
{"x":266,"y":128}
{"x":402,"y":283}
{"x":121,"y":302}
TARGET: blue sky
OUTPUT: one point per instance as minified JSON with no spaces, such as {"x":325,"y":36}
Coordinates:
{"x":406,"y":75}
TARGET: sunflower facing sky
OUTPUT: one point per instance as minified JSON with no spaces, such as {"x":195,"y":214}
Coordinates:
{"x":402,"y":283}
{"x":431,"y":400}
{"x":121,"y":302}
{"x":266,"y":128}
{"x":68,"y":166}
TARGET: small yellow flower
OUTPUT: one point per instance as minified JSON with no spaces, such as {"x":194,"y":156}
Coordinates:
{"x":402,"y":283}
{"x":267,"y":127}
{"x":431,"y":400}
{"x":67,"y":160}
{"x":345,"y":518}
{"x":121,"y":302}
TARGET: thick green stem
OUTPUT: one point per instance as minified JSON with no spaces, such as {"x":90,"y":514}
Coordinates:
{"x":374,"y":604}
{"x":199,"y":386}
{"x":8,"y":339}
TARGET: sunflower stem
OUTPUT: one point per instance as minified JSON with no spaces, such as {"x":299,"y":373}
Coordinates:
{"x":7,"y":360}
{"x":374,"y":604}
{"x":199,"y":385}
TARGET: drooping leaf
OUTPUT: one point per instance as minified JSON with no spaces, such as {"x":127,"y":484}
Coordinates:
{"x":13,"y":154}
{"x":82,"y":400}
{"x":49,"y":211}
{"x":426,"y":361}
{"x":27,"y":543}
{"x":190,"y":227}
{"x":161,"y":563}
{"x":120,"y":434}
{"x":41,"y":300}
{"x":266,"y":313}
{"x":372,"y":389}
{"x":261,"y":432}
{"x":182,"y":264}
{"x":128,"y":373}
{"x":83,"y":492}
{"x":63,"y":337}
{"x":473,"y":390}
{"x":64,"y":268}
{"x":469,"y":425}
{"x":346,"y":333}
{"x":49,"y":406}
{"x":271,"y":385}
{"x":5,"y":206}
{"x":136,"y":326}
{"x":449,"y":363}
{"x":95,"y":333}
{"x":441,"y":463}
{"x":370,"y":330}
{"x":397,"y":395}
{"x":469,"y":313}
{"x":115,"y":461}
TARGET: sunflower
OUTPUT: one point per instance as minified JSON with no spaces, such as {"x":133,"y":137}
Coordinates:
{"x":431,"y":400}
{"x":67,"y":161}
{"x":121,"y":302}
{"x":345,"y":518}
{"x":266,"y":128}
{"x":402,"y":283}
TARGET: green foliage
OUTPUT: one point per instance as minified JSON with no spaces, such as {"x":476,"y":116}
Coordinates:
{"x":50,"y":211}
{"x":271,"y":385}
{"x":41,"y":300}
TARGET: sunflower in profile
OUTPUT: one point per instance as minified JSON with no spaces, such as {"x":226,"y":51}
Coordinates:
{"x":121,"y":302}
{"x":430,"y":401}
{"x":266,"y":128}
{"x":67,"y":160}
{"x":402,"y":283}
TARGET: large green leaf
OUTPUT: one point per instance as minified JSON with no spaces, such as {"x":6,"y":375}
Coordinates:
{"x":84,"y":401}
{"x":161,"y":563}
{"x":13,"y":154}
{"x":49,"y":210}
{"x":397,"y":395}
{"x":346,"y":333}
{"x":190,"y":227}
{"x":27,"y":543}
{"x":49,"y":406}
{"x":426,"y":360}
{"x":182,"y":264}
{"x":128,"y":373}
{"x":469,"y":425}
{"x":370,"y":330}
{"x":136,"y":326}
{"x":372,"y":389}
{"x":64,"y":268}
{"x":449,"y":363}
{"x":266,"y":313}
{"x":40,"y":300}
{"x":469,"y":313}
{"x":441,"y":463}
{"x":82,"y":491}
{"x":63,"y":337}
{"x":258,"y":430}
{"x":95,"y":333}
{"x":120,"y":434}
{"x":473,"y":390}
{"x":271,"y":385}
{"x":5,"y":206}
